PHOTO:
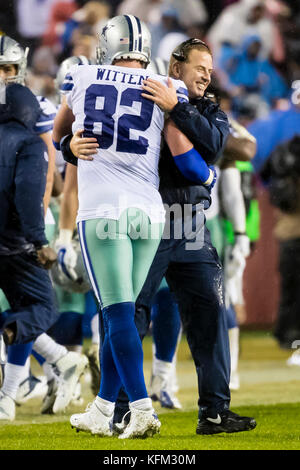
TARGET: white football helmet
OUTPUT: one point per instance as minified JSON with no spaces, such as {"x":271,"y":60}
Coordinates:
{"x":12,"y":53}
{"x":124,"y":37}
{"x":66,"y":65}
{"x":75,"y":280}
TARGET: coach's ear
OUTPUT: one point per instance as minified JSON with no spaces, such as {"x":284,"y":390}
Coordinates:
{"x":175,"y":70}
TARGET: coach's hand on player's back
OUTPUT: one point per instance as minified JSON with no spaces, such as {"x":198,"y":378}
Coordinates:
{"x":164,"y":96}
{"x":83,"y":147}
{"x":46,"y":256}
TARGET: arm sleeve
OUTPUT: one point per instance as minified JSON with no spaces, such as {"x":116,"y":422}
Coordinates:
{"x":208,"y":131}
{"x":30,"y":182}
{"x":193,"y":167}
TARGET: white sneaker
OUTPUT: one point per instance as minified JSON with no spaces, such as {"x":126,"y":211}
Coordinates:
{"x":31,"y":387}
{"x":49,"y":398}
{"x":142,"y":424}
{"x":93,"y":421}
{"x":7,"y":408}
{"x":294,"y":359}
{"x":77,"y":399}
{"x":160,"y":390}
{"x":68,"y":370}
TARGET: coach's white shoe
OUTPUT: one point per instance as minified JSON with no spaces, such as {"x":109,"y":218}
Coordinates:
{"x":93,"y":420}
{"x":142,"y":424}
{"x":7,"y":408}
{"x":68,"y":370}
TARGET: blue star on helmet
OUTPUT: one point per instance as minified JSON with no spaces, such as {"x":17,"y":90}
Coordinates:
{"x":104,"y":30}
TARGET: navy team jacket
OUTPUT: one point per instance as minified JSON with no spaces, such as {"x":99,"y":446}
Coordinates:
{"x":23,"y":171}
{"x":207,"y":127}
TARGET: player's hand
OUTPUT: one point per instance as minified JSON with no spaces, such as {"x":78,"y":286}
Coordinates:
{"x":236,"y":257}
{"x":243,"y":244}
{"x":46,"y":256}
{"x":67,"y":259}
{"x":164,"y":96}
{"x":83,"y":147}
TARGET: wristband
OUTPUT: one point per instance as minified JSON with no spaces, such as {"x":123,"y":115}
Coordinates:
{"x":69,"y":157}
{"x":209,"y":179}
{"x":65,"y":236}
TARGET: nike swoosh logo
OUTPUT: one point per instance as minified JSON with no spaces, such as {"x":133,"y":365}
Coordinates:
{"x":216,"y":420}
{"x":221,"y":120}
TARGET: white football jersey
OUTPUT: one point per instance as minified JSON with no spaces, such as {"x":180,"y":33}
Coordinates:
{"x":107,"y":103}
{"x":46,"y":120}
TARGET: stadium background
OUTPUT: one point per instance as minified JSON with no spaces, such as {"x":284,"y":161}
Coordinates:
{"x":266,"y":381}
{"x":46,"y":26}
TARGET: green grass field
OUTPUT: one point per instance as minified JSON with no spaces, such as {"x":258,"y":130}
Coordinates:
{"x":270,"y":392}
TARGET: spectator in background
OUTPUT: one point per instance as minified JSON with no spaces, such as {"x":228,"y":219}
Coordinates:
{"x":60,"y":12}
{"x":190,"y":11}
{"x":277,"y":128}
{"x":33,"y":19}
{"x":85,"y":22}
{"x":244,"y":18}
{"x":246,"y":73}
{"x":40,"y":76}
{"x":8,"y":20}
{"x":146,"y":10}
{"x":169,"y":24}
{"x":188,"y":22}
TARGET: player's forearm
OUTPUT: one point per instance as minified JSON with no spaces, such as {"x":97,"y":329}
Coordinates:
{"x":232,"y":199}
{"x":69,"y":203}
{"x":68,"y":212}
{"x":62,"y":123}
{"x":51,"y":168}
{"x":242,"y":149}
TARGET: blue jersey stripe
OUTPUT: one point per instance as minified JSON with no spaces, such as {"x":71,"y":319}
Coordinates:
{"x":46,"y":117}
{"x":182,"y":91}
{"x":67,"y":87}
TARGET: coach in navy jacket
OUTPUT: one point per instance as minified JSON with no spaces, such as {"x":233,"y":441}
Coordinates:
{"x":23,"y":246}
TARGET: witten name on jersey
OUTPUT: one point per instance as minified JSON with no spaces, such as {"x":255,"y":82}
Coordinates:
{"x":107,"y":103}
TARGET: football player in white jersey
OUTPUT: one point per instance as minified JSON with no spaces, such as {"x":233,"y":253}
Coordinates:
{"x":120,"y":216}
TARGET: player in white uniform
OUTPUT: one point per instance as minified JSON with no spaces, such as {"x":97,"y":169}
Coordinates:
{"x":121,"y":215}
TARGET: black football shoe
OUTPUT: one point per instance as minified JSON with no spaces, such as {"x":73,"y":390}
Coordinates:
{"x":224,"y":421}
